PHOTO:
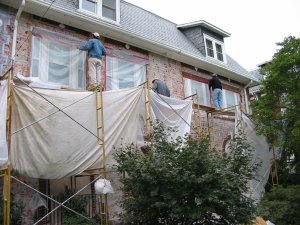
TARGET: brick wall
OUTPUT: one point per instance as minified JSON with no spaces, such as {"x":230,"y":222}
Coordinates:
{"x":5,"y":37}
{"x":167,"y":70}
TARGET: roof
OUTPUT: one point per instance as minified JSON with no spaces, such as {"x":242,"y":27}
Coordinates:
{"x":140,"y":28}
{"x":205,"y":24}
{"x":160,"y":30}
{"x":255,"y":73}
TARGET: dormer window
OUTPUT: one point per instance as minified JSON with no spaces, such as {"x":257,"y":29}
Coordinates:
{"x":107,"y":9}
{"x":214,"y":48}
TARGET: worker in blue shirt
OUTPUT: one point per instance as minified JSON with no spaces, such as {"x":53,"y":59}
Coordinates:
{"x":95,"y":52}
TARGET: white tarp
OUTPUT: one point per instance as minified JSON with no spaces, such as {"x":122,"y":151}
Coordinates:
{"x":57,"y":146}
{"x":3,"y":146}
{"x":173,"y":113}
{"x":48,"y":144}
{"x":261,"y":154}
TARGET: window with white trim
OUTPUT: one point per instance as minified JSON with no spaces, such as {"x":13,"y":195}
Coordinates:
{"x":214,"y":49}
{"x":192,"y":87}
{"x":121,"y":73}
{"x":57,"y":60}
{"x":230,"y":98}
{"x":108,"y":9}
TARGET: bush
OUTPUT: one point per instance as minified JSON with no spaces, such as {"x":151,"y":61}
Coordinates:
{"x":185,"y":182}
{"x":16,"y":210}
{"x":282,"y":205}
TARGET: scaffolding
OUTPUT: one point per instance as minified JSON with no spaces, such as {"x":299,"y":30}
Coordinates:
{"x":7,"y":171}
{"x":204,"y":127}
{"x":101,"y":172}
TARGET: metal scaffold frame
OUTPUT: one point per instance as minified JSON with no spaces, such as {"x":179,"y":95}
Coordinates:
{"x":101,"y":141}
{"x":148,"y":115}
{"x":7,"y":170}
{"x":102,"y":170}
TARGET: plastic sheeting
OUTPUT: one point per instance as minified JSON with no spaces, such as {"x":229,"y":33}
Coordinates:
{"x":48,"y":144}
{"x":123,"y":74}
{"x":57,"y":146}
{"x":3,"y":145}
{"x":103,"y":186}
{"x":56,"y":59}
{"x":173,"y":113}
{"x":261,"y":154}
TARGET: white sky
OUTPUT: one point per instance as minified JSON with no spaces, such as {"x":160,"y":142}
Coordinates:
{"x":255,"y":25}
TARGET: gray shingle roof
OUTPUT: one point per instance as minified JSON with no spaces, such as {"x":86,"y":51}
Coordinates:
{"x":255,"y":73}
{"x":150,"y":26}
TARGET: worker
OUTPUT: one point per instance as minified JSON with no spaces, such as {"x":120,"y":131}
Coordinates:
{"x":216,"y":86}
{"x":160,"y":87}
{"x":95,"y":52}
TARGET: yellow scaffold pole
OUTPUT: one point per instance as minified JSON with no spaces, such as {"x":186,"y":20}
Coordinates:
{"x":7,"y":178}
{"x":100,"y":133}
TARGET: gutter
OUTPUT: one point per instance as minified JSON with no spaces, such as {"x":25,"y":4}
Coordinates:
{"x":14,"y":43}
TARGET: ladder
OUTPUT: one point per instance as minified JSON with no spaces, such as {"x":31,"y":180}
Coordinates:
{"x":197,"y":114}
{"x":101,"y":142}
{"x":201,"y":124}
{"x":148,"y":115}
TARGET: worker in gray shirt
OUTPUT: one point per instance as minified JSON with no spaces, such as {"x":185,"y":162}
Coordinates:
{"x":160,"y":87}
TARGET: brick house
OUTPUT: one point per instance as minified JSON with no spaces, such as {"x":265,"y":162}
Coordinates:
{"x":140,"y":44}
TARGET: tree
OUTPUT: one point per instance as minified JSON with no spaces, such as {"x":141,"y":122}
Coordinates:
{"x":277,"y":111}
{"x":185,"y":182}
{"x":282,"y":205}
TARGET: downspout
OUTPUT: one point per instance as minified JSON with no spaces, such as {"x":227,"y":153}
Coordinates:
{"x":246,"y":96}
{"x":14,"y":43}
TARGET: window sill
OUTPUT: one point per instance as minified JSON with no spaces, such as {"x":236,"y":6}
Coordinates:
{"x":212,"y":58}
{"x":95,"y":16}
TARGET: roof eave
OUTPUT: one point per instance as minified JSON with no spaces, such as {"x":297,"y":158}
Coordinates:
{"x":205,"y":24}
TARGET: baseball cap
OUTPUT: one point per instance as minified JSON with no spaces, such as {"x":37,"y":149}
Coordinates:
{"x":96,"y":34}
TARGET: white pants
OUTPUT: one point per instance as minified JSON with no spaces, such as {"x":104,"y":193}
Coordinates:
{"x":94,"y":71}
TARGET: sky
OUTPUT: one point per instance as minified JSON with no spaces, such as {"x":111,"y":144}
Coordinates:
{"x":255,"y":25}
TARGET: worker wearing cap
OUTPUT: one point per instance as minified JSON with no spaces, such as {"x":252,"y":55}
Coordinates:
{"x":160,"y":87}
{"x":216,"y":86}
{"x":95,"y":52}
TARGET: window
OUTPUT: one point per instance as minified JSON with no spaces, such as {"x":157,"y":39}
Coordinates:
{"x":89,"y":5}
{"x":230,"y":98}
{"x":123,"y":74}
{"x":192,"y":87}
{"x":55,"y":59}
{"x":109,"y":9}
{"x":214,"y":48}
{"x":209,"y":47}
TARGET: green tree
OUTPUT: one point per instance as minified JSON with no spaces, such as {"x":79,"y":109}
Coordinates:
{"x":185,"y":182}
{"x":277,"y":111}
{"x":282,"y":205}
